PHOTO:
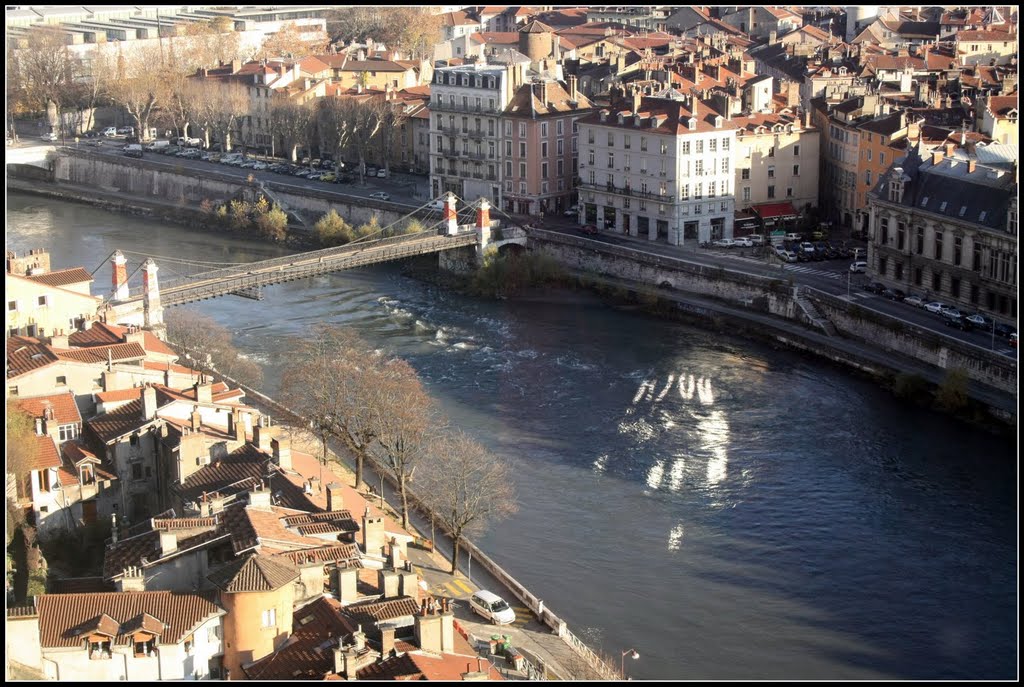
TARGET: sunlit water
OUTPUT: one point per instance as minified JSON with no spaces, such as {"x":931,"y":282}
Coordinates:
{"x":729,"y":510}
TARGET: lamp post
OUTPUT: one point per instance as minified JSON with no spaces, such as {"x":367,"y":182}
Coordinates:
{"x":633,"y":654}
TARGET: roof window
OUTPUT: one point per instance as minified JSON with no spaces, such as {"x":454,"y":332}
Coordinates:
{"x":963,"y":210}
{"x":942,"y":208}
{"x":924,"y":201}
{"x":981,"y":217}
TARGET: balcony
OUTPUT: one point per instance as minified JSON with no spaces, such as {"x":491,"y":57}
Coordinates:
{"x":626,"y":191}
{"x":458,"y":107}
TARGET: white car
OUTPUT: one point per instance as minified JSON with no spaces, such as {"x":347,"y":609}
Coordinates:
{"x":949,"y":311}
{"x":382,"y":173}
{"x":110,"y":132}
{"x":380,"y":195}
{"x":572,"y":212}
{"x":915,"y":301}
{"x":492,"y":607}
{"x":435,"y":205}
{"x":858,"y":267}
{"x":260,"y":165}
{"x":935,"y":307}
{"x":743,"y":242}
{"x":807,"y":247}
{"x":49,"y":136}
{"x":724,"y":243}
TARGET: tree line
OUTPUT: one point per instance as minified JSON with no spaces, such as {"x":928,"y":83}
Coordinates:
{"x":376,"y":406}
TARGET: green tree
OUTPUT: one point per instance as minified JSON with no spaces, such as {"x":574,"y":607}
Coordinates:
{"x":273,"y":223}
{"x":332,"y":230}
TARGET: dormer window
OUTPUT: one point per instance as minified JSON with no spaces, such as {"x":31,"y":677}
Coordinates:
{"x":691,"y":123}
{"x":924,"y":201}
{"x":145,"y":645}
{"x":963,"y":210}
{"x":718,"y":121}
{"x":981,"y":217}
{"x":942,"y":207}
{"x":99,"y":648}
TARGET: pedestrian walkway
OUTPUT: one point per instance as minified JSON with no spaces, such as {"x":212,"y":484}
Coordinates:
{"x":790,"y":268}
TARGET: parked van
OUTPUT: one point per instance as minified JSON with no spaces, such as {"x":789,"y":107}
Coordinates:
{"x":858,"y":267}
{"x":133,"y":150}
{"x":492,"y":607}
{"x":188,"y":141}
{"x":157,"y":145}
{"x":110,"y":132}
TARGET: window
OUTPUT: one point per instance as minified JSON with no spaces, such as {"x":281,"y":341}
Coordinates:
{"x":144,"y":647}
{"x":560,"y":127}
{"x":884,"y":226}
{"x":700,"y":147}
{"x":522,"y":170}
{"x":954,"y":287}
{"x":664,"y":148}
{"x":918,"y":276}
{"x":560,"y":147}
{"x":867,"y":177}
{"x":713,"y":145}
{"x":796,"y":170}
{"x":543,"y":170}
{"x":869,"y":155}
{"x":976,"y":266}
{"x":789,"y":191}
{"x":522,"y":149}
{"x":544,"y":129}
{"x":725,"y":165}
{"x":643,"y":143}
{"x":901,"y":234}
{"x":711,"y":189}
{"x":698,"y":168}
{"x":686,"y":147}
{"x":611,"y":138}
{"x":920,"y":240}
{"x":746,"y":194}
{"x":882,"y":265}
{"x":684,"y":192}
{"x":771,"y":171}
{"x":12,"y":306}
{"x":611,"y":160}
{"x":590,"y":136}
{"x":42,"y":301}
{"x":270,"y":618}
{"x":771,"y":191}
{"x":508,"y":168}
{"x":881,"y":159}
{"x":771,"y":152}
{"x":725,"y":144}
{"x":522,"y":129}
{"x":938,"y":245}
{"x":508,"y":128}
{"x":522,"y":188}
{"x":136,"y":470}
{"x":796,"y":151}
{"x":698,"y":191}
{"x":958,"y":246}
{"x":62,"y":380}
{"x":590,"y":157}
{"x":936,"y":281}
{"x":626,"y":139}
{"x":561,"y":167}
{"x":745,"y":174}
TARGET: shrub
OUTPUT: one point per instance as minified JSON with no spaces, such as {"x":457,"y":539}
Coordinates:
{"x":240,"y":214}
{"x":332,"y":230}
{"x":368,"y":229}
{"x":414,"y":226}
{"x":952,"y":393}
{"x":273,"y":224}
{"x":222,"y":214}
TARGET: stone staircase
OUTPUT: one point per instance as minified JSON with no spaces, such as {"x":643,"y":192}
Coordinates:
{"x":812,"y":314}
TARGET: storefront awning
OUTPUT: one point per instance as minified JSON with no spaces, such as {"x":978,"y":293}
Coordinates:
{"x":776,"y":210}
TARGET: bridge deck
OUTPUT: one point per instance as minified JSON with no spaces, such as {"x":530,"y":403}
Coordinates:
{"x":303,"y":265}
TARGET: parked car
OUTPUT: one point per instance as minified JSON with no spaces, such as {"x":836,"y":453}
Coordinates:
{"x":382,"y":173}
{"x":169,"y":150}
{"x":126,"y":130}
{"x":724,"y":243}
{"x":875,"y":287}
{"x":934,"y":306}
{"x":260,"y":165}
{"x":329,"y":177}
{"x":756,"y":239}
{"x":955,"y":319}
{"x":743,"y":242}
{"x":588,"y":229}
{"x":110,"y":132}
{"x":91,"y":134}
{"x":915,"y":301}
{"x":894,"y":294}
{"x":50,"y":136}
{"x":790,"y":256}
{"x":980,"y":321}
{"x":1013,"y":340}
{"x":572,"y":212}
{"x":492,"y":607}
{"x":1004,"y":331}
{"x":133,"y":150}
{"x":793,"y":237}
{"x":380,"y":195}
{"x":807,"y":247}
{"x":949,"y":311}
{"x":437,"y":205}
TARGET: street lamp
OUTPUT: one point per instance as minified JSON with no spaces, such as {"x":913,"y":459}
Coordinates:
{"x":633,"y":654}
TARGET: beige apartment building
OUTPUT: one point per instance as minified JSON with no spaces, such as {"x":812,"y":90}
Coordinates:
{"x":776,"y":160}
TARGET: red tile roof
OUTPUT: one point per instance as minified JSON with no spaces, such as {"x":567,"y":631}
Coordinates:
{"x":101,"y":334}
{"x":118,"y":422}
{"x":308,"y":653}
{"x":64,"y":409}
{"x":25,"y":354}
{"x":99,"y":354}
{"x":369,"y":613}
{"x":119,"y":395}
{"x":1001,"y":105}
{"x":64,"y":619}
{"x":985,"y":36}
{"x":254,"y":573}
{"x":46,"y":455}
{"x":326,"y":554}
{"x":144,"y":550}
{"x":74,"y":275}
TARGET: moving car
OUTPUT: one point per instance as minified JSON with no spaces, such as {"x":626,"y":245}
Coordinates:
{"x":380,"y":195}
{"x":49,"y":136}
{"x":382,"y":173}
{"x":724,"y":243}
{"x":588,"y":229}
{"x":875,"y":287}
{"x":110,"y":132}
{"x":492,"y":607}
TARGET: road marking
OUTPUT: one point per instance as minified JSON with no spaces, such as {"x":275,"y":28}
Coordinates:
{"x":461,"y":585}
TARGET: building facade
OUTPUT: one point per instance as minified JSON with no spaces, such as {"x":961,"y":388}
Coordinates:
{"x":947,"y":228}
{"x":776,"y":160}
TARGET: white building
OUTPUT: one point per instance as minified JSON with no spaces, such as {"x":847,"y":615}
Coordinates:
{"x":660,"y":167}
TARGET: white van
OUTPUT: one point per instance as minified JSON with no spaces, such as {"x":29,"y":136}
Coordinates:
{"x":492,"y":607}
{"x":110,"y":132}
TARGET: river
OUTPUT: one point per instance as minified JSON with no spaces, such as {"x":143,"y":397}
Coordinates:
{"x":729,"y":510}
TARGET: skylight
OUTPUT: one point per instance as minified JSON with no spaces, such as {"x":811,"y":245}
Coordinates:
{"x":963,"y":210}
{"x":942,"y":208}
{"x":924,"y":201}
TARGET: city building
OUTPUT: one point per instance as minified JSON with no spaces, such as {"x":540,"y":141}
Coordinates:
{"x":659,"y":166}
{"x":945,"y":226}
{"x":44,"y":303}
{"x":777,"y":159}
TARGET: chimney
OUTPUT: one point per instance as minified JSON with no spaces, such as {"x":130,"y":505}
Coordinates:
{"x":132,"y":580}
{"x":59,"y":341}
{"x":259,"y":497}
{"x":936,"y":157}
{"x":235,"y":66}
{"x":168,"y":542}
{"x":447,"y":629}
{"x":167,"y":374}
{"x":972,"y":164}
{"x":345,"y":661}
{"x":387,"y":639}
{"x":427,"y":629}
{"x":236,"y":427}
{"x":39,"y":427}
{"x":387,"y":581}
{"x":217,"y":504}
{"x":637,"y":100}
{"x":408,"y":583}
{"x":196,"y":419}
{"x":348,"y":578}
{"x":203,"y":392}
{"x":773,"y":37}
{"x":335,"y":500}
{"x":573,"y":92}
{"x":282,"y":450}
{"x":373,"y":534}
{"x":262,"y":433}
{"x":148,"y":403}
{"x":50,"y":426}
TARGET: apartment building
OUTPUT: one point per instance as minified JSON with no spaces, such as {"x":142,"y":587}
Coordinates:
{"x":658,"y":166}
{"x":947,"y":226}
{"x":841,"y":136}
{"x":777,"y":158}
{"x":466,"y":106}
{"x":45,"y":303}
{"x":539,"y":146}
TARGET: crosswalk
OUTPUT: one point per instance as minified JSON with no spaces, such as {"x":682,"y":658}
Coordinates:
{"x":791,"y":268}
{"x":457,"y":588}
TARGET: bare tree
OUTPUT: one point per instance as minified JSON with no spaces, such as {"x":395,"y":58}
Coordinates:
{"x":138,"y":83}
{"x":47,"y":71}
{"x":208,"y":345}
{"x":465,"y":486}
{"x":289,"y":120}
{"x":230,"y":107}
{"x":205,"y":44}
{"x":365,"y":122}
{"x":335,"y":120}
{"x":406,"y":421}
{"x":393,"y":115}
{"x":413,"y":30}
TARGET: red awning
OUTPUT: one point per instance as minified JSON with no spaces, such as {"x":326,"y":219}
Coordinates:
{"x":770,"y":210}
